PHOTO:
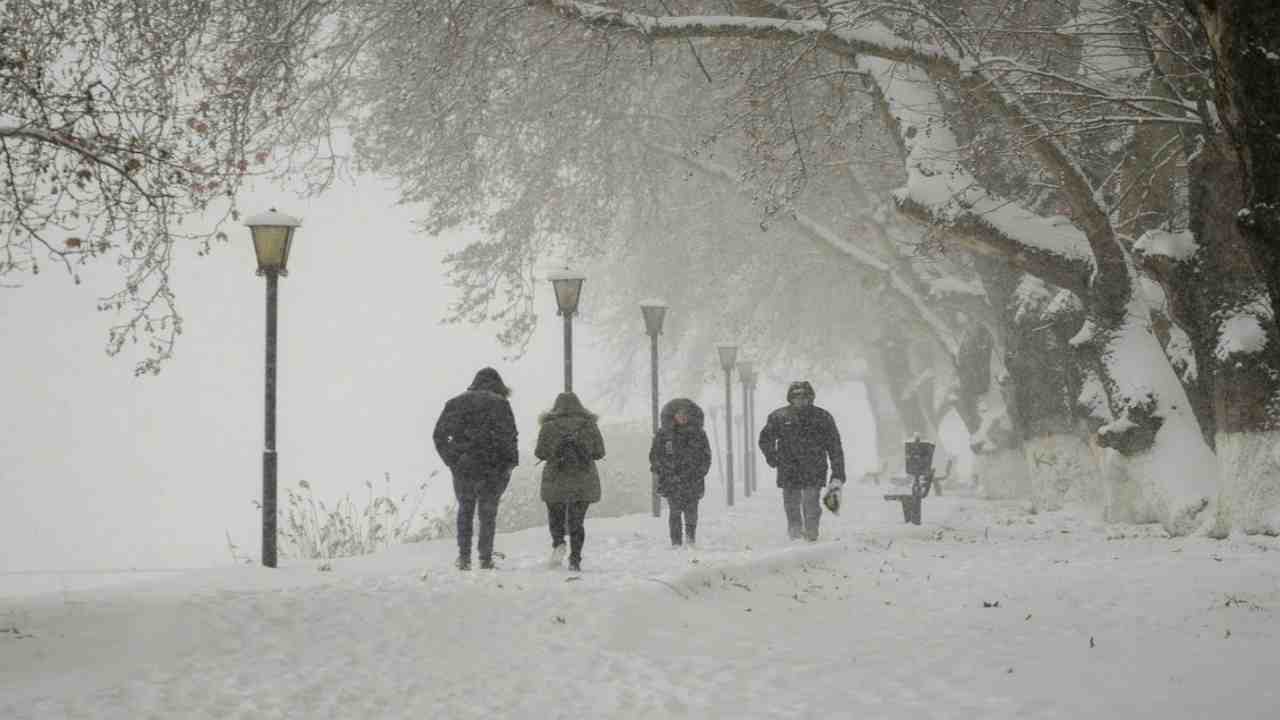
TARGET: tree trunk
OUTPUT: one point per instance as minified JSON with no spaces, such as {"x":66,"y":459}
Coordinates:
{"x":1245,"y":385}
{"x":1244,"y":36}
{"x":889,"y":429}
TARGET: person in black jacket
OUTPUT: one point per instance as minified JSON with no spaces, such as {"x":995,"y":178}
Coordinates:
{"x":799,"y":439}
{"x":681,"y":456}
{"x":476,"y":438}
{"x":569,"y":440}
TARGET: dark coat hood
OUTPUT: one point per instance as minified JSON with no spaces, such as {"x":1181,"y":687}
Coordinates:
{"x":489,"y":379}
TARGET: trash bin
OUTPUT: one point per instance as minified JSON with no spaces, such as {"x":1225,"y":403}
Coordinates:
{"x":919,"y":457}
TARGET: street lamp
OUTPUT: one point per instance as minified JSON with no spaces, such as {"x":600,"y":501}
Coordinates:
{"x":745,"y":371}
{"x":751,"y":415}
{"x":568,"y":286}
{"x":728,"y":354}
{"x":654,"y":312}
{"x":272,"y":233}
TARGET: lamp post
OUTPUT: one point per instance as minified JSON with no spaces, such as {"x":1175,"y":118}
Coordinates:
{"x":568,"y":287}
{"x":745,"y":371}
{"x":728,"y":354}
{"x":751,"y":423}
{"x":272,"y":233}
{"x":654,"y":312}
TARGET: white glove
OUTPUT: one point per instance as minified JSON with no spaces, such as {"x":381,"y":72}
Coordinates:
{"x":835,"y":484}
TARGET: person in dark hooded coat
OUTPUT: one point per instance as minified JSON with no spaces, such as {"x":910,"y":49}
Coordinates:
{"x":570,"y":442}
{"x":680,"y":457}
{"x":476,"y":439}
{"x":799,"y":439}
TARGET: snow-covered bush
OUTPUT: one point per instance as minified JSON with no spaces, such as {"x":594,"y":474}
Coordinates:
{"x":313,"y":531}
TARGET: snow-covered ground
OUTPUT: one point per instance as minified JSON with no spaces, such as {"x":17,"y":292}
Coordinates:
{"x":984,"y":611}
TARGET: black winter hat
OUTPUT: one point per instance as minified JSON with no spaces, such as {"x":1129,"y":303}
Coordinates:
{"x":799,"y":388}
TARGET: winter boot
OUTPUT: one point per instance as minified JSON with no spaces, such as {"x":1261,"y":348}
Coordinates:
{"x":557,"y":555}
{"x":486,"y":563}
{"x":463,"y":562}
{"x":575,"y":564}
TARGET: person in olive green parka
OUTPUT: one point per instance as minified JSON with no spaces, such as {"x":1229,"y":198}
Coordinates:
{"x":569,"y":441}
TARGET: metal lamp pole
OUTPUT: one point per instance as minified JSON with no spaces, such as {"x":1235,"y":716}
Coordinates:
{"x":745,"y":369}
{"x":272,"y":233}
{"x":728,"y":354}
{"x":568,"y":286}
{"x":751,"y":415}
{"x":654,"y":312}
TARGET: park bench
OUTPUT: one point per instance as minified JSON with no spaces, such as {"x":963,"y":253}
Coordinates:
{"x":919,"y":462}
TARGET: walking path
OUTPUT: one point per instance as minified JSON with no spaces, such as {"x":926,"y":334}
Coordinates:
{"x":982,"y":611}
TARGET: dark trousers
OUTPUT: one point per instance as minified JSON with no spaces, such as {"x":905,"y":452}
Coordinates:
{"x":682,"y":512}
{"x":803,"y":511}
{"x":487,"y":505}
{"x":572,"y":514}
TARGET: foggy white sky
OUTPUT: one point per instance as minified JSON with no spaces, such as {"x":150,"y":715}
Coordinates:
{"x":103,"y":470}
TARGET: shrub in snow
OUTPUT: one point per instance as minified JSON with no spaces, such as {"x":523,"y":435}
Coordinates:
{"x":314,"y":531}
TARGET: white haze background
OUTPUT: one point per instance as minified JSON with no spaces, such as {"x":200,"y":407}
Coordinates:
{"x":103,"y":470}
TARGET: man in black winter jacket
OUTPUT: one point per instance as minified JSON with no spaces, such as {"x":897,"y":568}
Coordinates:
{"x":799,"y":439}
{"x":476,"y":438}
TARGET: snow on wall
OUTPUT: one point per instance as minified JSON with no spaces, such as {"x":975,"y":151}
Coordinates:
{"x":1063,"y":470}
{"x":1122,"y":498}
{"x":1249,"y":499}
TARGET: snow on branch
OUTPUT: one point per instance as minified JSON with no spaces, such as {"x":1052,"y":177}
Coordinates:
{"x":877,"y":48}
{"x":70,"y":143}
{"x":1186,"y":110}
{"x":872,"y":38}
{"x":1177,"y":246}
{"x":940,"y":190}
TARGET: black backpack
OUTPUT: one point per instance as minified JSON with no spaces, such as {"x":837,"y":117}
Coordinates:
{"x":570,"y":454}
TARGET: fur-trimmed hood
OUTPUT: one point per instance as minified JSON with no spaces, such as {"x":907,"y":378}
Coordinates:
{"x":681,"y":406}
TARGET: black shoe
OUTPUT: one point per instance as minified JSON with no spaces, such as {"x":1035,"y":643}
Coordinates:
{"x":486,"y":563}
{"x":463,"y":562}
